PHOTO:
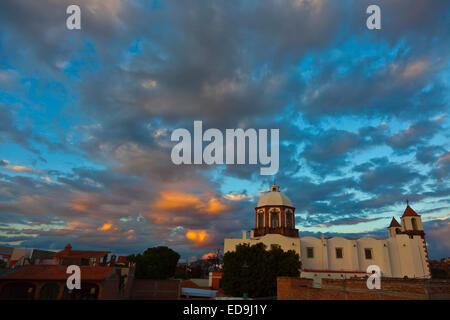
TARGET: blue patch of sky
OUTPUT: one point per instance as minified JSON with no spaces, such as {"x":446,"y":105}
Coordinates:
{"x":85,"y":61}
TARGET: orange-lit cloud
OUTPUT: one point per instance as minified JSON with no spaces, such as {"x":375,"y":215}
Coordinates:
{"x":215,"y":206}
{"x":159,"y":219}
{"x":176,"y":200}
{"x":414,"y":69}
{"x":79,"y":206}
{"x":20,"y":169}
{"x":25,"y":169}
{"x":77,"y":224}
{"x":46,"y":179}
{"x":207,"y":256}
{"x":81,"y":202}
{"x":131,"y":236}
{"x":105,"y":227}
{"x":197,"y":236}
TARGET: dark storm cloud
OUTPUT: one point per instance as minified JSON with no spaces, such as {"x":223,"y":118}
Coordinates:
{"x":419,"y":19}
{"x":391,"y":89}
{"x":416,"y":134}
{"x":25,"y":134}
{"x":388,"y":177}
{"x":330,"y":150}
{"x":9,"y":129}
{"x":442,"y":167}
{"x":428,"y":154}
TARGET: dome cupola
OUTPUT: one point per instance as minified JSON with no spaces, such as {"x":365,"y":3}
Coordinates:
{"x":275,"y":214}
{"x":274,"y":198}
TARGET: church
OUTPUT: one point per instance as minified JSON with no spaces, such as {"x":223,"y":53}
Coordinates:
{"x":403,"y":254}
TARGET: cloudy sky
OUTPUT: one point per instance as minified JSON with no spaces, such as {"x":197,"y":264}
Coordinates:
{"x":86,"y":118}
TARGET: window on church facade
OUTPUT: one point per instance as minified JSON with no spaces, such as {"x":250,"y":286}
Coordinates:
{"x":310,"y":252}
{"x":339,"y":253}
{"x":368,"y":253}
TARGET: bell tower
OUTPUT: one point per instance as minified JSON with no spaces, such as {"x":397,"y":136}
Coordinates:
{"x":394,"y":228}
{"x":412,"y":222}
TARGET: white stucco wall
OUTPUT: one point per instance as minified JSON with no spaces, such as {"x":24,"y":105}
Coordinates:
{"x":397,"y":256}
{"x":285,"y":243}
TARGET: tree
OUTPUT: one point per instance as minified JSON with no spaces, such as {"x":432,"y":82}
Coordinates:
{"x":254,"y":270}
{"x":215,"y":261}
{"x":437,"y":273}
{"x":155,"y":263}
{"x":188,"y":272}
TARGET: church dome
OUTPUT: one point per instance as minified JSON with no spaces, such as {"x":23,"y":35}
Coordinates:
{"x":274,"y":198}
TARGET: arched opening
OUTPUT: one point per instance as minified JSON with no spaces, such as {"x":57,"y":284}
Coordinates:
{"x":18,"y":291}
{"x":397,"y":230}
{"x":260,"y":223}
{"x":88,"y":291}
{"x":289,"y":219}
{"x":274,"y":219}
{"x":414,"y":224}
{"x":49,"y":291}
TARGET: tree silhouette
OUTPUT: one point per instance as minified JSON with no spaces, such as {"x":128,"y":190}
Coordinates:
{"x":254,"y":270}
{"x":155,"y":263}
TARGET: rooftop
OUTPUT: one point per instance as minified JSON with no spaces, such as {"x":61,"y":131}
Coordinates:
{"x":394,"y":223}
{"x":56,"y":272}
{"x":274,"y":198}
{"x":409,"y":212}
{"x":69,"y":253}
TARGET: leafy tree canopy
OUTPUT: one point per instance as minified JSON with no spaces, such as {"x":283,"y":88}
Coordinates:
{"x":254,"y":270}
{"x":155,"y":263}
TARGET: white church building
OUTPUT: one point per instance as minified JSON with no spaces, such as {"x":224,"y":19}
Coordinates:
{"x":402,"y":254}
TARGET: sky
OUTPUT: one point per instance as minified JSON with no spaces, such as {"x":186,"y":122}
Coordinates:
{"x":86,"y":118}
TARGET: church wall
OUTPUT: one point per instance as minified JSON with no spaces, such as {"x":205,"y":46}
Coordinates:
{"x":411,"y":261}
{"x":231,"y":243}
{"x":419,"y":255}
{"x":397,"y":257}
{"x":378,"y":254}
{"x":394,"y":257}
{"x":318,"y":262}
{"x":344,"y":263}
{"x":285,"y":243}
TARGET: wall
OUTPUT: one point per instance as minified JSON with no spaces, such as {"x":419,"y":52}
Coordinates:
{"x":397,"y":257}
{"x":145,"y":289}
{"x":286,"y":243}
{"x":356,"y":289}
